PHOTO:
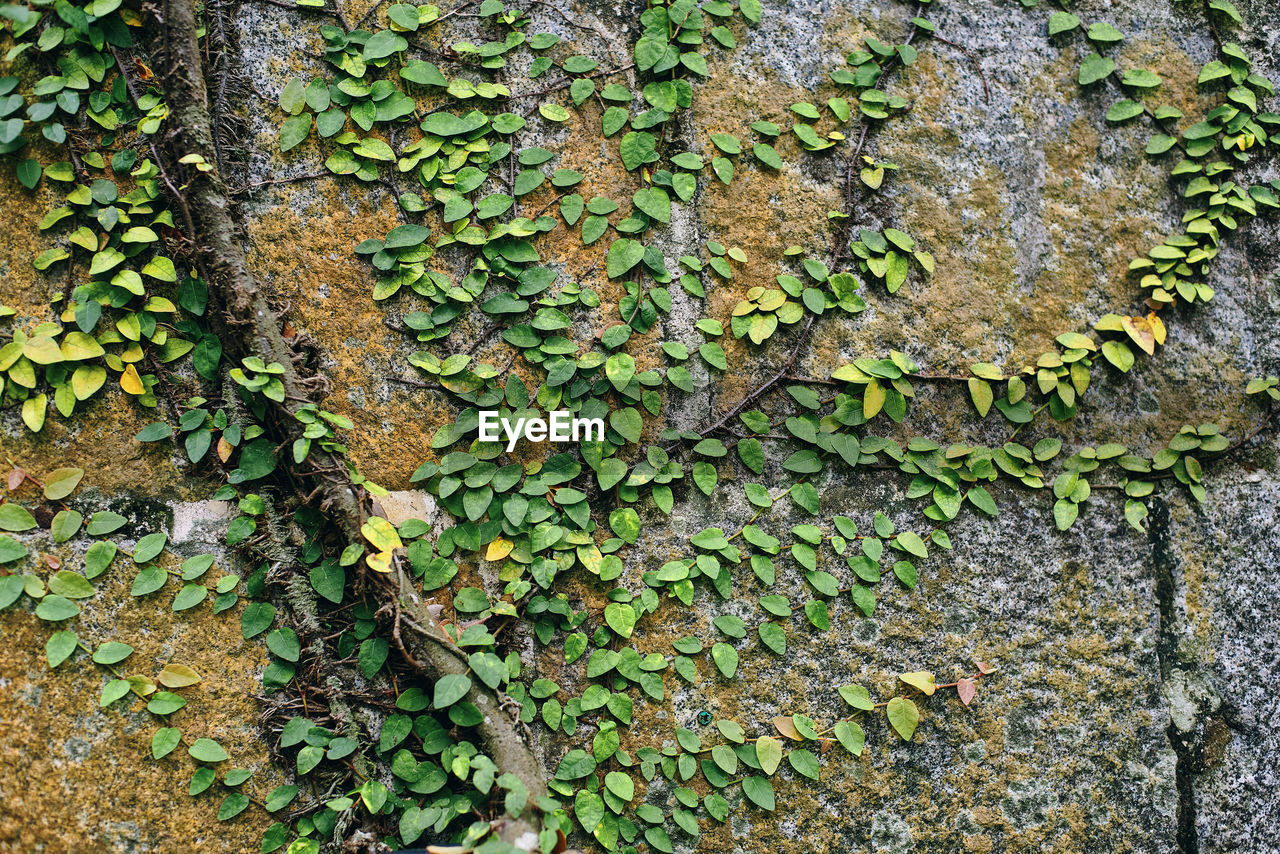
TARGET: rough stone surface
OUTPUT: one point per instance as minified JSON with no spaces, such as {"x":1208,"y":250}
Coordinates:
{"x":1134,"y":709}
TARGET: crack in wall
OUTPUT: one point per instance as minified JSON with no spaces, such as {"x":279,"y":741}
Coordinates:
{"x":1183,"y":743}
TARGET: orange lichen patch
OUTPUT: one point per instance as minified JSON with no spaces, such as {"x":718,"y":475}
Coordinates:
{"x":22,"y":287}
{"x":64,"y":757}
{"x":99,"y":438}
{"x":306,"y":259}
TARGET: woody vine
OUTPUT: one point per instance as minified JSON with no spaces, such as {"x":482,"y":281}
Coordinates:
{"x":127,"y":109}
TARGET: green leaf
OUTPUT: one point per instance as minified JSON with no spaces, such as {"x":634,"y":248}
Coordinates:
{"x":232,"y":805}
{"x":28,"y":172}
{"x":14,"y":517}
{"x":815,"y":610}
{"x":148,"y":580}
{"x":53,"y":608}
{"x":154,"y":432}
{"x":705,"y":477}
{"x":1065,"y":513}
{"x":725,"y":658}
{"x":654,"y":202}
{"x":769,"y":753}
{"x":105,"y":522}
{"x":284,"y":643}
{"x":1123,"y":110}
{"x":1062,"y":22}
{"x":620,"y":617}
{"x":450,"y":689}
{"x":207,"y":750}
{"x":149,"y":547}
{"x":11,"y":549}
{"x":773,"y":636}
{"x":280,"y":797}
{"x":294,"y":130}
{"x":73,"y":585}
{"x":759,"y":791}
{"x":903,"y":717}
{"x":624,"y":254}
{"x":190,"y":596}
{"x":60,"y":646}
{"x":165,"y":703}
{"x":1105,"y":33}
{"x":164,"y":741}
{"x":621,"y":785}
{"x":804,"y":763}
{"x":112,"y":652}
{"x":1095,"y":68}
{"x":66,"y":524}
{"x":851,"y":736}
{"x":328,"y":579}
{"x":751,"y":452}
{"x":767,"y":155}
{"x":256,"y":619}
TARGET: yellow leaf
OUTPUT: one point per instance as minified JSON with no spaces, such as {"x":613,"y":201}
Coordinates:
{"x":1157,"y":327}
{"x":873,"y":400}
{"x":178,"y":676}
{"x":380,"y":562}
{"x":591,"y":558}
{"x":1140,"y":331}
{"x":498,"y":549}
{"x":920,"y":679}
{"x":850,"y":374}
{"x":33,"y":412}
{"x":382,"y":535}
{"x":131,"y":382}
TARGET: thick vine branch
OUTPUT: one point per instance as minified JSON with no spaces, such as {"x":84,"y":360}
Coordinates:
{"x":253,"y":327}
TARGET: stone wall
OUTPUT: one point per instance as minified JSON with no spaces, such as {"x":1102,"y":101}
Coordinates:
{"x":1134,"y":709}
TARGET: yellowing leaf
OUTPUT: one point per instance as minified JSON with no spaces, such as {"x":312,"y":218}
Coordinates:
{"x":77,"y":346}
{"x":131,"y":382}
{"x":382,"y":535}
{"x":1157,"y":327}
{"x":903,"y":716}
{"x":42,"y":350}
{"x":380,"y":562}
{"x":498,"y":549}
{"x":60,"y":483}
{"x":1140,"y":331}
{"x":33,"y":412}
{"x":769,"y":752}
{"x":873,"y":400}
{"x":982,"y":396}
{"x":920,"y":679}
{"x":178,"y":676}
{"x":87,"y":380}
{"x":141,"y":685}
{"x":785,"y":725}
